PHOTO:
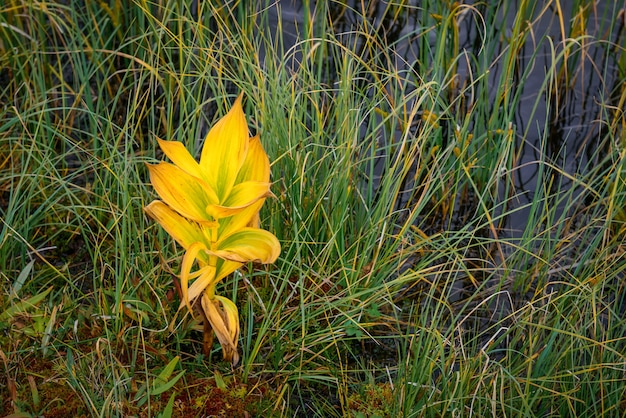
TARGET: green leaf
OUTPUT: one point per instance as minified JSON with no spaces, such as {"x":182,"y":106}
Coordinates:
{"x":24,"y":305}
{"x":167,"y":371}
{"x":21,"y":279}
{"x":219,"y":380}
{"x":169,"y":408}
{"x":161,"y":383}
{"x":167,"y":385}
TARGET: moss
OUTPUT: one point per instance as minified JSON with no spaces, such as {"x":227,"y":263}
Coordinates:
{"x":372,"y":401}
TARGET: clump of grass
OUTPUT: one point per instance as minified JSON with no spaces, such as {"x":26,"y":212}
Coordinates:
{"x":451,"y":244}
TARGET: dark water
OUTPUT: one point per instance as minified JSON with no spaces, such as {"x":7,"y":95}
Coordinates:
{"x":563,"y":129}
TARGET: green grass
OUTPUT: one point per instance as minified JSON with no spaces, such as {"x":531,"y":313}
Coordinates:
{"x":421,"y":275}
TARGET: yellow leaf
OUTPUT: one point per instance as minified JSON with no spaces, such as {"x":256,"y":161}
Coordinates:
{"x":184,"y":231}
{"x":225,"y":322}
{"x":248,"y":244}
{"x":186,"y":194}
{"x":224,"y":150}
{"x":256,"y":166}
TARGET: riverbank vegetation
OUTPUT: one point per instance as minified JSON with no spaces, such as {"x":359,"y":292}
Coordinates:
{"x":449,"y":187}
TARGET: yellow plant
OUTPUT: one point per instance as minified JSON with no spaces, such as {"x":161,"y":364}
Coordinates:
{"x":211,"y":208}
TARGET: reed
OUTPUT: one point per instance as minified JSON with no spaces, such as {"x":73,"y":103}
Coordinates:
{"x":449,"y":191}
